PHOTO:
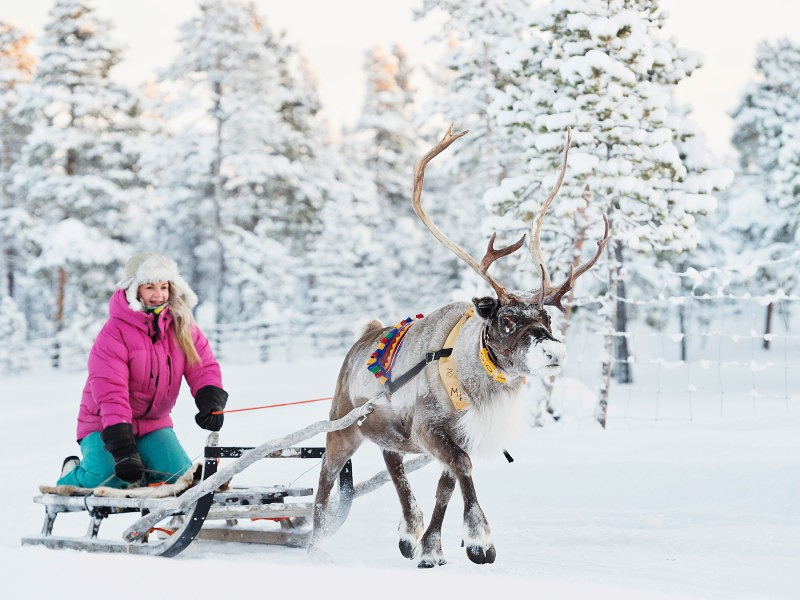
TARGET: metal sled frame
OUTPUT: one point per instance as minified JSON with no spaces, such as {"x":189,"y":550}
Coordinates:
{"x":191,"y":523}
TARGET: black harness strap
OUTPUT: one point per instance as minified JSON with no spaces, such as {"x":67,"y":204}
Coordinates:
{"x":396,"y":384}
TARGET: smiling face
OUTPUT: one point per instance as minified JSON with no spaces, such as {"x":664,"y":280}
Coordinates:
{"x":520,"y":334}
{"x":154,"y":294}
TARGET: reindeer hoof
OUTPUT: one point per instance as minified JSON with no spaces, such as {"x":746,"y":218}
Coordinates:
{"x":429,"y":563}
{"x":480,"y":556}
{"x":406,"y":548}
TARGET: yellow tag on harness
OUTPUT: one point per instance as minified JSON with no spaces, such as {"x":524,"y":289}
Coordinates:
{"x":490,"y":367}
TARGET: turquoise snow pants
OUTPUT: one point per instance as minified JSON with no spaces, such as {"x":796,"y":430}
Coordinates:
{"x":162,"y":454}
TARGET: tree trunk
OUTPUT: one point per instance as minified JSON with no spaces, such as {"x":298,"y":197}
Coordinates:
{"x":622,"y":367}
{"x":682,"y":324}
{"x":7,"y":267}
{"x":607,"y":366}
{"x":217,"y":201}
{"x":768,"y":326}
{"x":10,"y":279}
{"x":61,"y":286}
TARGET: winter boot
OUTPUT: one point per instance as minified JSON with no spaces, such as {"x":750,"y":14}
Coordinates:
{"x":69,"y":464}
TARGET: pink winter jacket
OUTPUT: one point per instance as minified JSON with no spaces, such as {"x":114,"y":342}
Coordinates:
{"x":133,"y":379}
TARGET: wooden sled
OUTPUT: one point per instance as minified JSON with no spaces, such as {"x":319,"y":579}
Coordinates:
{"x":216,"y":515}
{"x":183,"y":518}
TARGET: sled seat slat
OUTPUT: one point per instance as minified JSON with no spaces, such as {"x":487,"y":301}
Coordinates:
{"x":59,"y":503}
{"x":254,"y":496}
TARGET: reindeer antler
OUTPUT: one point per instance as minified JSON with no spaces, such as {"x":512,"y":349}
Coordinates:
{"x":492,"y":254}
{"x":550,"y":295}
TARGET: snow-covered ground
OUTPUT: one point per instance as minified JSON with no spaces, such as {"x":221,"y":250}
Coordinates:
{"x":647,"y":509}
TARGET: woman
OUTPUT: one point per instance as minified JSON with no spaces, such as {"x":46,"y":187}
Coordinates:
{"x":136,"y":364}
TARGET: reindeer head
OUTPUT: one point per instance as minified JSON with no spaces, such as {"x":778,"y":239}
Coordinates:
{"x":517,"y":333}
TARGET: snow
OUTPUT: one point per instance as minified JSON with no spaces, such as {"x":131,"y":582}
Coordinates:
{"x":647,"y":509}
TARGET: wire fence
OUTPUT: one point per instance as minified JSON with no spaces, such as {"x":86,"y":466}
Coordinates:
{"x":719,"y":364}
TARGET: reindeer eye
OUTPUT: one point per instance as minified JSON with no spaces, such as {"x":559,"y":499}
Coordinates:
{"x":507,"y":325}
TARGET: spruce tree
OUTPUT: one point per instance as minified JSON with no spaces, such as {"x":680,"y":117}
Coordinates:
{"x":767,"y":139}
{"x":241,"y":170}
{"x":473,"y":32}
{"x":75,"y":173}
{"x":604,"y":69}
{"x":349,"y":282}
{"x":385,"y":144}
{"x":16,"y":68}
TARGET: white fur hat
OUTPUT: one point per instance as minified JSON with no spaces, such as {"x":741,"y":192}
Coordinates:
{"x":149,"y":267}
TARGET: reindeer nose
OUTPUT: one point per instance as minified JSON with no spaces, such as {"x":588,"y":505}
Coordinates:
{"x":555,"y":358}
{"x":554,"y":353}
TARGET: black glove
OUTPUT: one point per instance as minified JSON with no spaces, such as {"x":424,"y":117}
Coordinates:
{"x":119,"y":441}
{"x":210,"y":399}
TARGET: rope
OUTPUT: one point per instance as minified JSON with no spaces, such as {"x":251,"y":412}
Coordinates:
{"x":233,"y":410}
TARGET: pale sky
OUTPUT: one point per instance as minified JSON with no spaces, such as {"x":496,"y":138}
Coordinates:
{"x":334,"y":36}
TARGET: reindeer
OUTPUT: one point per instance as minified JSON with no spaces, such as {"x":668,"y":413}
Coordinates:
{"x":496,"y":343}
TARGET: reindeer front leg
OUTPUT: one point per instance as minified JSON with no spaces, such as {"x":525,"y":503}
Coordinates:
{"x":431,"y":547}
{"x":477,"y":534}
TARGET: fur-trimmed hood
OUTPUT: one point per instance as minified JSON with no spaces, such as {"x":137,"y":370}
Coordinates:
{"x":149,"y":267}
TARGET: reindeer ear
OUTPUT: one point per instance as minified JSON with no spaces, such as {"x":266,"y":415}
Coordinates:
{"x":486,"y":306}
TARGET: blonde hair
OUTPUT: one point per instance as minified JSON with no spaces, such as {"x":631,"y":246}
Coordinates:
{"x":184,"y":324}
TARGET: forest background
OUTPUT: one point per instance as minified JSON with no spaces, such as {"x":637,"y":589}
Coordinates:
{"x":291,"y":230}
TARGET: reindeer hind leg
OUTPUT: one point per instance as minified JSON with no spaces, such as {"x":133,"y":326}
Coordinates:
{"x":412,"y":525}
{"x":339,"y":447}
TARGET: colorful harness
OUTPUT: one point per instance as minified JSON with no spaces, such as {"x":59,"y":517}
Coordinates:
{"x":381,"y":362}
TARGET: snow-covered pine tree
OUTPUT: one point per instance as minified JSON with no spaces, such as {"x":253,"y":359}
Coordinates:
{"x":350,"y":282}
{"x":693,"y":268}
{"x":298,"y":196}
{"x":75,"y":174}
{"x":385,"y":144}
{"x":242,"y":162}
{"x":16,"y":68}
{"x":603,"y":68}
{"x":213,"y":83}
{"x":767,"y":138}
{"x":384,"y":131}
{"x":474,"y":32}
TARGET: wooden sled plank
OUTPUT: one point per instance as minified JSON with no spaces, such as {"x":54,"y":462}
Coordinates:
{"x":281,"y":537}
